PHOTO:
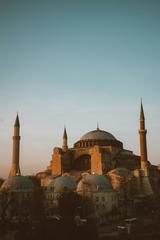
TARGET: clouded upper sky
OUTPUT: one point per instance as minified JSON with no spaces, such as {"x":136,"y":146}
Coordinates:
{"x":76,"y":63}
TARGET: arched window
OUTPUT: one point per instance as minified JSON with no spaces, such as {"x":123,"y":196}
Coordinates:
{"x":83,"y":163}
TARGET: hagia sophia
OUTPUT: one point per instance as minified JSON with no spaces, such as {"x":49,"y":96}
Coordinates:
{"x":97,"y":167}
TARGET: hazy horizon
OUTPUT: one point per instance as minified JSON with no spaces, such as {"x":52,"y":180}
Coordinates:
{"x":76,"y":63}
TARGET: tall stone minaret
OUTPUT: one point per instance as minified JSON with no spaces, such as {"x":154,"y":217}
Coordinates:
{"x":15,"y":169}
{"x":64,"y":145}
{"x":143,"y":142}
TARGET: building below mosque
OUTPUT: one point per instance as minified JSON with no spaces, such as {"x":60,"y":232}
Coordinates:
{"x":104,"y":175}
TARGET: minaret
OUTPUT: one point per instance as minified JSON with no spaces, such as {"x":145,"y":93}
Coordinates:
{"x":143,"y":142}
{"x":64,"y":145}
{"x":15,"y":169}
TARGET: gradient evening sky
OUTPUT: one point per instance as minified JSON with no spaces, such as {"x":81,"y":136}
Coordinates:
{"x":76,"y":63}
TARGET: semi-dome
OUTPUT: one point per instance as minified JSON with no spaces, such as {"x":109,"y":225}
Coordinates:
{"x":98,"y":135}
{"x":94,"y":182}
{"x":63,"y":183}
{"x":17,"y":183}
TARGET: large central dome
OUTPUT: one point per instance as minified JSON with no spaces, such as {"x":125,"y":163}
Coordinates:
{"x":98,"y":135}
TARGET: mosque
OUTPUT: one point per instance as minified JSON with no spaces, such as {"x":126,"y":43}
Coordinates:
{"x":97,"y":167}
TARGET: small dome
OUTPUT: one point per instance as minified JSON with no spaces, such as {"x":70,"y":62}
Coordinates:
{"x":94,"y":182}
{"x":98,"y":135}
{"x":17,"y":183}
{"x":120,"y":177}
{"x":122,"y":172}
{"x":61,"y":184}
{"x":42,"y":174}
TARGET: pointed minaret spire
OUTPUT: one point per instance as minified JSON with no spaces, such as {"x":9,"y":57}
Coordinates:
{"x":65,"y":133}
{"x":142,"y":112}
{"x":65,"y":138}
{"x":143,"y":141}
{"x":15,"y":169}
{"x":17,"y":124}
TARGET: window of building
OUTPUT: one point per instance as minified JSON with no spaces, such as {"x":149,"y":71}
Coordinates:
{"x":103,"y":199}
{"x":97,"y":199}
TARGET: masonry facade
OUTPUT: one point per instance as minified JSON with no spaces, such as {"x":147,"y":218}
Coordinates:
{"x":96,"y":167}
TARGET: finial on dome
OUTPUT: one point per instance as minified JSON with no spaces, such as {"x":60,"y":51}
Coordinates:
{"x":98,"y":126}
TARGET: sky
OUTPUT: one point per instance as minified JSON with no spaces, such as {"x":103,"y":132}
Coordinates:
{"x":76,"y":63}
